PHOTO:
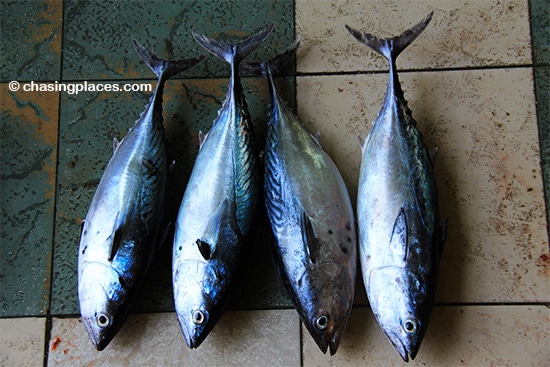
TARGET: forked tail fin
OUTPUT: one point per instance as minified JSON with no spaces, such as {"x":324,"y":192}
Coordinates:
{"x":164,"y":69}
{"x":276,"y":64}
{"x":390,"y":48}
{"x":233,"y":53}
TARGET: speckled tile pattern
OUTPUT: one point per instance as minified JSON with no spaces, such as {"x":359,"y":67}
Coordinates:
{"x":456,"y":336}
{"x":251,"y":338}
{"x":477,"y":82}
{"x":22,"y":341}
{"x":34,"y":26}
{"x":462,"y":33}
{"x":97,"y":33}
{"x":28,"y":127}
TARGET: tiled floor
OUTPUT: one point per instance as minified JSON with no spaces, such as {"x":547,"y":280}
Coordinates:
{"x":477,"y":81}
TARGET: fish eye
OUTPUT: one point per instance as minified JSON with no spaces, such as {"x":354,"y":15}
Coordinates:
{"x":321,"y":322}
{"x":198,"y":317}
{"x":409,"y":326}
{"x":103,"y":320}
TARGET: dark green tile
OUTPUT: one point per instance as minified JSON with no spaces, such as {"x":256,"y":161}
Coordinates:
{"x":31,"y":40}
{"x":88,"y":123}
{"x":542,"y":92}
{"x":28,"y":127}
{"x":96,"y":42}
{"x":540,"y":30}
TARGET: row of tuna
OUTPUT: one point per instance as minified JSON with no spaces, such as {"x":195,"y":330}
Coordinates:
{"x":308,"y":206}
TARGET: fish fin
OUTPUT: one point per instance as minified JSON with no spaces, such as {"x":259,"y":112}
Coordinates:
{"x":172,"y":166}
{"x":233,"y":53}
{"x":148,"y":165}
{"x":164,"y":69}
{"x":311,"y":242}
{"x":398,"y":239}
{"x":204,"y":249}
{"x":117,"y":236}
{"x":116,"y":143}
{"x":433,"y":154}
{"x":361,"y":142}
{"x":390,"y":48}
{"x":274,"y":65}
{"x":202,"y":139}
{"x":443,"y":235}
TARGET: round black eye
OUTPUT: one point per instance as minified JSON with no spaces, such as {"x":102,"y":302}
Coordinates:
{"x":198,"y":317}
{"x":321,"y":322}
{"x":409,"y":326}
{"x":103,"y":320}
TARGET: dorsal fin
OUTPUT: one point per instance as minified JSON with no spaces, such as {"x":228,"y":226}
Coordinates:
{"x":443,"y":236}
{"x":202,"y":139}
{"x":116,"y":143}
{"x":433,"y":154}
{"x":398,"y":239}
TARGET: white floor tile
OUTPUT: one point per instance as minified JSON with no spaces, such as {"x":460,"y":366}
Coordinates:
{"x":461,"y":34}
{"x":241,"y":338}
{"x":456,"y":336}
{"x":22,"y":341}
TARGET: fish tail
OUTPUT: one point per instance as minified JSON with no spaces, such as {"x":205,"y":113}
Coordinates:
{"x":164,"y":69}
{"x":233,"y":53}
{"x":390,"y":48}
{"x":273,"y":65}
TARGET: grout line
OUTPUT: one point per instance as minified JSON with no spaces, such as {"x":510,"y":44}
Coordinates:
{"x":49,"y":319}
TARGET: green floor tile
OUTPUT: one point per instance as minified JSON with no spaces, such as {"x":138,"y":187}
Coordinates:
{"x":30,"y":31}
{"x":540,"y":30}
{"x":97,"y":34}
{"x":28,"y":127}
{"x":89,"y":121}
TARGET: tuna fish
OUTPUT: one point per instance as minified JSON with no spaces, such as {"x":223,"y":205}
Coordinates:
{"x":218,"y":206}
{"x":400,"y":239}
{"x":312,"y":219}
{"x":124,"y":226}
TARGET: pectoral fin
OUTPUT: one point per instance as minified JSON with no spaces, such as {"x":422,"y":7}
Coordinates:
{"x":398,"y":239}
{"x":116,"y":236}
{"x":204,"y":249}
{"x":311,"y":242}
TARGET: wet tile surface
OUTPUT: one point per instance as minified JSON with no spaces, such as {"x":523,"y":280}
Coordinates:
{"x":28,"y":128}
{"x":31,"y":40}
{"x":251,"y":338}
{"x":22,"y":341}
{"x":456,"y":336}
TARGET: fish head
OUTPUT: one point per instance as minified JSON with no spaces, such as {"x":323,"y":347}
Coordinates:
{"x":199,"y":299}
{"x":102,"y":299}
{"x":326,"y":298}
{"x":401,"y":306}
